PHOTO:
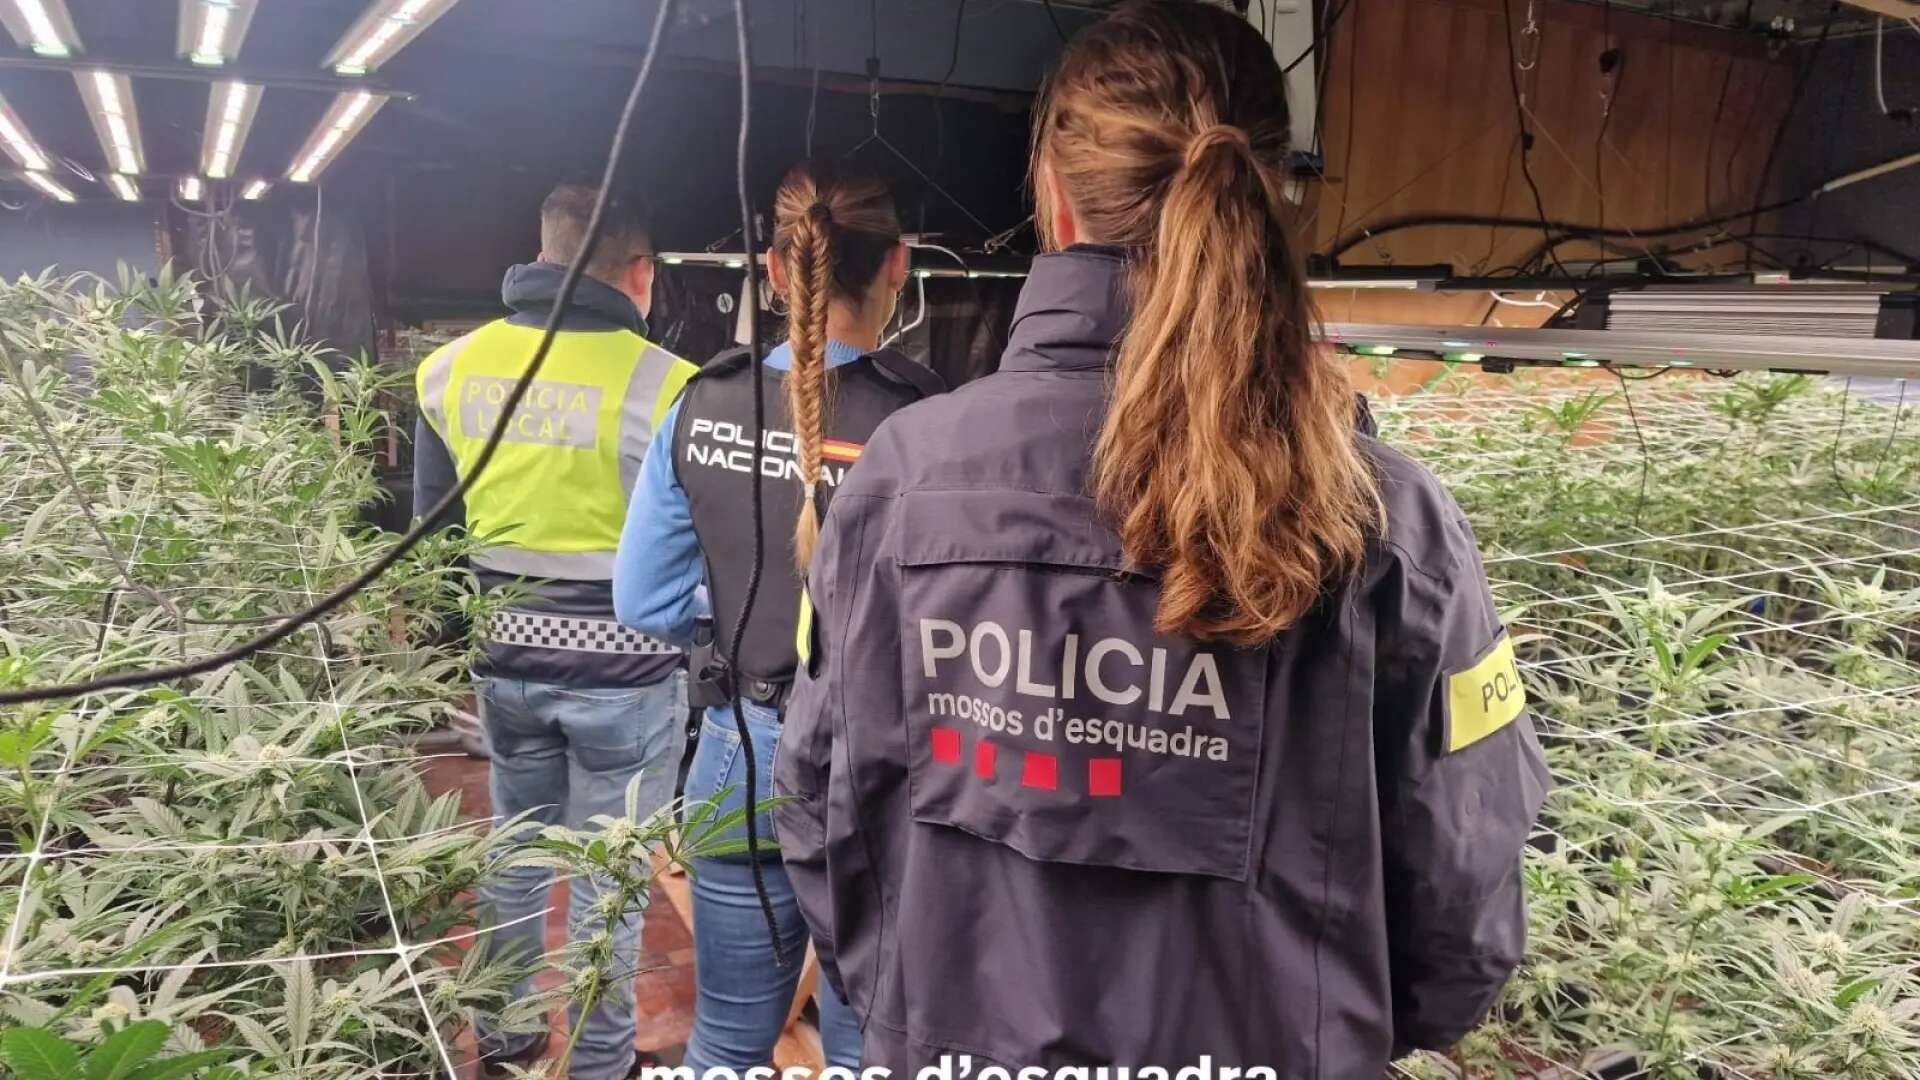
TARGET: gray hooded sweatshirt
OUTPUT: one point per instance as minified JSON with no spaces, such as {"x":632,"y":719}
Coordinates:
{"x":1026,"y":828}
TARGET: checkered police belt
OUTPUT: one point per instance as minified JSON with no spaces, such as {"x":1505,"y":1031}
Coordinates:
{"x":573,"y":633}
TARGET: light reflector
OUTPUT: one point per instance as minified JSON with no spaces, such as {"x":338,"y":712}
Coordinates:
{"x":230,"y":109}
{"x":380,"y":32}
{"x":124,"y":187}
{"x":17,"y":142}
{"x":109,"y":98}
{"x":41,"y":25}
{"x":211,"y":31}
{"x":343,"y":120}
{"x":48,"y":185}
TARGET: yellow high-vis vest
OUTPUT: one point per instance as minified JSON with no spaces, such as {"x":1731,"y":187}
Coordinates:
{"x":554,"y":498}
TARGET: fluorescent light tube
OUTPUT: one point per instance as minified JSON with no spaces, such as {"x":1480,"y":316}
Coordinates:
{"x":18,"y":144}
{"x":124,"y":187}
{"x":230,"y":109}
{"x":343,"y":120}
{"x":382,"y":31}
{"x":255,"y":189}
{"x":211,"y":31}
{"x":190,"y":189}
{"x":41,"y":25}
{"x":116,"y":121}
{"x":47,"y":184}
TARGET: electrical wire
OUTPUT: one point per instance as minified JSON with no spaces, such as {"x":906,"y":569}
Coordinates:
{"x":1054,"y":18}
{"x":757,"y":508}
{"x":444,"y":508}
{"x":1786,"y":121}
{"x":1526,"y":135}
{"x":1713,"y":129}
{"x":1322,"y":35}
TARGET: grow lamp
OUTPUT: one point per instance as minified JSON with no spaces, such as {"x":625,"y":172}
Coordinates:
{"x":255,"y":190}
{"x":343,"y":120}
{"x":109,"y":98}
{"x":1713,"y":351}
{"x":124,"y":187}
{"x":230,"y":109}
{"x":380,"y":32}
{"x":190,"y":189}
{"x":211,"y":31}
{"x":47,"y":184}
{"x":17,"y":142}
{"x":41,"y":25}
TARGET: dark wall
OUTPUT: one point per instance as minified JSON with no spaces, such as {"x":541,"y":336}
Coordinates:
{"x":79,"y":238}
{"x":1839,"y":128}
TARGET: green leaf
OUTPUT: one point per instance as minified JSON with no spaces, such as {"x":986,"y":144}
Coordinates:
{"x":1854,"y":991}
{"x":126,"y":1050}
{"x":39,"y":1054}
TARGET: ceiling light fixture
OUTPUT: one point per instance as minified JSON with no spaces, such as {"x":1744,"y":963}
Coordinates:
{"x":255,"y":189}
{"x":230,"y":109}
{"x":343,"y":120}
{"x":210,"y":31}
{"x":48,"y":185}
{"x":380,"y":32}
{"x":124,"y":187}
{"x":41,"y":25}
{"x":18,"y":144}
{"x":109,"y":98}
{"x":190,"y":189}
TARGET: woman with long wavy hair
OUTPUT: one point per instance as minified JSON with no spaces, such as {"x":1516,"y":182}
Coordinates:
{"x":1153,"y":709}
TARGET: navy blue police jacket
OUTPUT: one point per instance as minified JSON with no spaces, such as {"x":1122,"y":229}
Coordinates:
{"x":1026,"y":828}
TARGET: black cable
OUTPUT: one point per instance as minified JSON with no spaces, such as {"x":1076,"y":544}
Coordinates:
{"x":1713,"y":129}
{"x":1833,"y":459}
{"x":759,"y":453}
{"x":442,"y":509}
{"x":1612,"y":62}
{"x":1422,"y":221}
{"x":1055,"y":20}
{"x":1526,"y":134}
{"x":1786,"y":121}
{"x":1322,"y":35}
{"x":1646,"y":454}
{"x":940,"y":107}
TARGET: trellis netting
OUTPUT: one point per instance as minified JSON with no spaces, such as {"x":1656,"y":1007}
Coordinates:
{"x":1714,"y":586}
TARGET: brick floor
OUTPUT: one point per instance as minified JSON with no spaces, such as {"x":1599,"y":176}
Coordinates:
{"x":665,"y":991}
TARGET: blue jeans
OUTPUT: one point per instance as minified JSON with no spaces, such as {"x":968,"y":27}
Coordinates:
{"x":564,"y":755}
{"x":744,"y":996}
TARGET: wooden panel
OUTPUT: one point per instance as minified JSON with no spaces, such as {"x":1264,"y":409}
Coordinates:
{"x":1420,"y":119}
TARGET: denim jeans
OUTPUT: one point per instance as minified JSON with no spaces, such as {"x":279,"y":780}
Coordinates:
{"x":744,"y":996}
{"x":566,"y":755}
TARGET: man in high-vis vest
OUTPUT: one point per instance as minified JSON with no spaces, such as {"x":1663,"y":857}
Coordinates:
{"x":574,"y":705}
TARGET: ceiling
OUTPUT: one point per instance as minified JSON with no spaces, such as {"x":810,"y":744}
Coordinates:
{"x":1808,"y":17}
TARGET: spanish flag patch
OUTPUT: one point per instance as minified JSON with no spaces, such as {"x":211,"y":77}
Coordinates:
{"x":844,"y":452}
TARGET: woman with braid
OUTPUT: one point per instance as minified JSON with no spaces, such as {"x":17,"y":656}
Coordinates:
{"x":838,"y":261}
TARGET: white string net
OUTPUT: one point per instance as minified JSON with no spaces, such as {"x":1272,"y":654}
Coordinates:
{"x":1715,"y":590}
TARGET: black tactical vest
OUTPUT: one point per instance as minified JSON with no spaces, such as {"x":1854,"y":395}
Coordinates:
{"x":713,"y":457}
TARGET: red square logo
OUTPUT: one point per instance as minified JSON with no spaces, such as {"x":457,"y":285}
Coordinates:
{"x":946,"y":746}
{"x":1040,"y":771}
{"x":985,"y":757}
{"x":1103,"y":777}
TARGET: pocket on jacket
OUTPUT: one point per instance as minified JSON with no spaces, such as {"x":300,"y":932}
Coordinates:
{"x":1042,"y":711}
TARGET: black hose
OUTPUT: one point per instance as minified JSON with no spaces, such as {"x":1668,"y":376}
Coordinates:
{"x":759,"y":440}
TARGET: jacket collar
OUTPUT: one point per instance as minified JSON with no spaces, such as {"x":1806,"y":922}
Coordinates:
{"x":529,"y":290}
{"x":1071,"y":311}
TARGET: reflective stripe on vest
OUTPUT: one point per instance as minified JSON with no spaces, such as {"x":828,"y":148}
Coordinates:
{"x":554,"y":497}
{"x":573,"y":633}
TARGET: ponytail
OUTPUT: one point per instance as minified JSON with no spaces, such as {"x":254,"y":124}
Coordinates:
{"x":810,"y":284}
{"x":1228,"y":457}
{"x":833,"y":227}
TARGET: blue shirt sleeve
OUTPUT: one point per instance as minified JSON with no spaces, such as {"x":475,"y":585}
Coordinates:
{"x":433,"y":473}
{"x":657,"y":571}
